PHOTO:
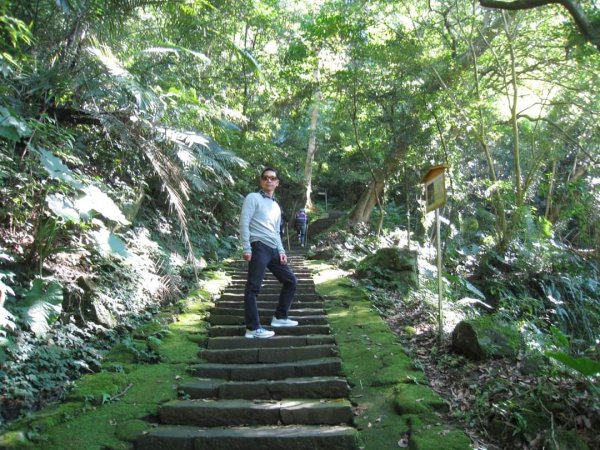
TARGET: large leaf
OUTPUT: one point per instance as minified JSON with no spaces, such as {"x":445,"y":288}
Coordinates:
{"x":6,"y":318}
{"x":108,"y":243}
{"x":57,"y":169}
{"x":583,"y":365}
{"x":96,"y":200}
{"x":63,"y":207}
{"x":42,"y":305}
{"x":11,"y":127}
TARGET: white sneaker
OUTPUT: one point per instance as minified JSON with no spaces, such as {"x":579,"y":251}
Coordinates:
{"x":259,"y":333}
{"x":283,"y":322}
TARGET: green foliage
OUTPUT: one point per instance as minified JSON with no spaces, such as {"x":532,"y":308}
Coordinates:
{"x":42,"y":305}
{"x":12,"y":127}
{"x":581,"y":364}
{"x":45,"y":240}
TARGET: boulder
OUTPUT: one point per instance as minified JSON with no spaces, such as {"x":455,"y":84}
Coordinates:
{"x":392,"y":264}
{"x":485,"y":337}
{"x":324,"y":254}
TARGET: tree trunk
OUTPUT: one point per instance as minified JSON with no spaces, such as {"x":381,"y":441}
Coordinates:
{"x":361,"y":213}
{"x":312,"y":140}
{"x":550,"y":191}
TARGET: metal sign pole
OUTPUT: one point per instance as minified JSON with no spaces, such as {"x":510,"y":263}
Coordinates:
{"x":439,"y":274}
{"x":435,"y":198}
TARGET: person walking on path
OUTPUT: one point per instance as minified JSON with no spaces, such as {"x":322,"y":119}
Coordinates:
{"x":301,"y":223}
{"x":260,"y":222}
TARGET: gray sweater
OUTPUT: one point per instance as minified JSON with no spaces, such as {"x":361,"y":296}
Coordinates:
{"x":260,"y":221}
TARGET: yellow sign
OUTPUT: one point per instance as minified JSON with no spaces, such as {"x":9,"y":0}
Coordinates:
{"x":435,"y":187}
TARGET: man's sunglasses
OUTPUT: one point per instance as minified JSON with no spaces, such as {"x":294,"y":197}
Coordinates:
{"x":268,"y":178}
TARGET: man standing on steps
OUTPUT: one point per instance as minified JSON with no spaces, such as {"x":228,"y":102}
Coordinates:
{"x":259,"y":230}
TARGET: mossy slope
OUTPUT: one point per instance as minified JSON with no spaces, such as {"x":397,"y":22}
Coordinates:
{"x":390,"y":393}
{"x":109,"y":409}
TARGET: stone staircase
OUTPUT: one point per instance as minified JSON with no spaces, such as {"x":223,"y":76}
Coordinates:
{"x":286,"y":392}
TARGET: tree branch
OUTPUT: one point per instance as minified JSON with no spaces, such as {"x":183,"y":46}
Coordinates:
{"x":566,"y":135}
{"x":582,"y":22}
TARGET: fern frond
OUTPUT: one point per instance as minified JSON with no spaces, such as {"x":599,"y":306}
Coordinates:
{"x":176,"y":50}
{"x":145,"y":97}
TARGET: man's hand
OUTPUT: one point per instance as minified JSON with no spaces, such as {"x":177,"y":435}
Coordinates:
{"x":247,"y":256}
{"x":283,"y":258}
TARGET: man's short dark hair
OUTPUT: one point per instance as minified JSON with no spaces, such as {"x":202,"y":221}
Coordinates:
{"x":269,"y":169}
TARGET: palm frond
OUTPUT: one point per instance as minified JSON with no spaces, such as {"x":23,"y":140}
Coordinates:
{"x":246,"y":56}
{"x":176,"y":50}
{"x":145,"y":97}
{"x":202,"y":154}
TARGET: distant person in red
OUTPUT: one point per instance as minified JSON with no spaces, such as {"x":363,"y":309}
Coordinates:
{"x":260,"y":224}
{"x":300,"y":224}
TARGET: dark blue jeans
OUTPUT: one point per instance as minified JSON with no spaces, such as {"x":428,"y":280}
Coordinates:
{"x":265,"y":257}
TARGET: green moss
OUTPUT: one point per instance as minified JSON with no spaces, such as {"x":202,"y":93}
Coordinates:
{"x":130,"y":430}
{"x":155,"y":384}
{"x":180,"y":348}
{"x":429,"y":438}
{"x":417,"y":399}
{"x":98,"y":386}
{"x":125,"y":354}
{"x":398,"y":369}
{"x":15,"y":440}
{"x":148,"y":329}
{"x":54,"y":415}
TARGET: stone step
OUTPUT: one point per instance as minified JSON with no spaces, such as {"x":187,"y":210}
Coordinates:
{"x":306,"y":387}
{"x":295,"y":437}
{"x":242,"y":274}
{"x":303,"y":280}
{"x":222,"y":413}
{"x":228,"y":319}
{"x":220,"y":310}
{"x":270,"y":304}
{"x":301,"y":329}
{"x":236,"y":342}
{"x":271,"y":296}
{"x":238,"y":289}
{"x":268,"y":355}
{"x":275,"y":371}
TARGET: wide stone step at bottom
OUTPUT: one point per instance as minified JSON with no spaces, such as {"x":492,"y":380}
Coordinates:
{"x":309,"y":387}
{"x":211,"y":413}
{"x":293,"y":437}
{"x":239,"y":289}
{"x":240,"y":330}
{"x":321,"y":367}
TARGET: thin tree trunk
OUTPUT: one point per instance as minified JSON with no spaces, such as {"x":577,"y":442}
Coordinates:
{"x":312,"y":140}
{"x":513,"y":116}
{"x":551,"y":191}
